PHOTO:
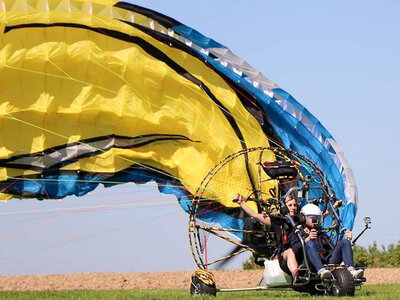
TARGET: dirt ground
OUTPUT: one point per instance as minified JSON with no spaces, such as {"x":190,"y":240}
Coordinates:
{"x":155,"y":280}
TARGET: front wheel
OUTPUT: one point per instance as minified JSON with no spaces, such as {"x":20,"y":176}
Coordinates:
{"x":203,"y":283}
{"x":344,"y":284}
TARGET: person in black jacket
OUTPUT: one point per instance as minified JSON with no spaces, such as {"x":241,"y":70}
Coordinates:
{"x":287,"y":258}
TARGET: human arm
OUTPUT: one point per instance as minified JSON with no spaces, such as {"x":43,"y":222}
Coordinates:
{"x":336,"y":205}
{"x":312,"y":235}
{"x":259,"y":217}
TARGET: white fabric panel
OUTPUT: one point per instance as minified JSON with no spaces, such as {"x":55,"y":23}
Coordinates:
{"x":351,"y":190}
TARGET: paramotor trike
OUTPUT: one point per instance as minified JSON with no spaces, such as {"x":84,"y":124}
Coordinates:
{"x":293,"y":174}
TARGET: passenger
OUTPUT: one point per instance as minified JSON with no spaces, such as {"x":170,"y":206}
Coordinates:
{"x":287,"y":258}
{"x":319,"y":247}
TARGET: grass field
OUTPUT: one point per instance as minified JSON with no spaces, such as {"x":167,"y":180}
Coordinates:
{"x":390,"y":291}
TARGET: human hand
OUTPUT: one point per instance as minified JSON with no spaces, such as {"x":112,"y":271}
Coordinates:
{"x":338,"y":204}
{"x":348,"y":234}
{"x":239,"y":199}
{"x":313,"y":234}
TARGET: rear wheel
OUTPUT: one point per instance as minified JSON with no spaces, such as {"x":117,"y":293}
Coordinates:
{"x":344,"y":284}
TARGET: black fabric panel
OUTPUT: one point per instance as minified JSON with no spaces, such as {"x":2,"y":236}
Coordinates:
{"x":156,"y":16}
{"x":8,"y":163}
{"x":101,"y":138}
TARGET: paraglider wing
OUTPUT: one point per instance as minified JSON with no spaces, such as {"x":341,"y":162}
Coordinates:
{"x":105,"y":92}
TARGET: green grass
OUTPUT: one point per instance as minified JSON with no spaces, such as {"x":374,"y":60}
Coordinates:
{"x":389,"y":291}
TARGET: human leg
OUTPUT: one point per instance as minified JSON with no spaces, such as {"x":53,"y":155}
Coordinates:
{"x":315,"y":260}
{"x":344,"y":253}
{"x":291,"y":260}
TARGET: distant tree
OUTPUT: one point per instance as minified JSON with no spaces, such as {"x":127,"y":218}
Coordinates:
{"x":388,"y":257}
{"x":362,"y":257}
{"x":250,"y":264}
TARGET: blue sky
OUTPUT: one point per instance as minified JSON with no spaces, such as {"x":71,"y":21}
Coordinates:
{"x":340,"y":59}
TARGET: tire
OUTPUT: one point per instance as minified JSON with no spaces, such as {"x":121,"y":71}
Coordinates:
{"x":344,"y":285}
{"x":309,"y":288}
{"x":199,"y":288}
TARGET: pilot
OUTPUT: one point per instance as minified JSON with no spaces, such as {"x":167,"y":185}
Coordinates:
{"x":287,"y":257}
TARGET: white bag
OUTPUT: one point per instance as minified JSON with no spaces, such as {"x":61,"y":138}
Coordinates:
{"x":273,"y":274}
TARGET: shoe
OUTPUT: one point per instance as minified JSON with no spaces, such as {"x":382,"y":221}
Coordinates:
{"x":357,"y":273}
{"x":325,"y":274}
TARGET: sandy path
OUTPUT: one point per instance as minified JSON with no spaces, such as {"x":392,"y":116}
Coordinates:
{"x":156,"y":280}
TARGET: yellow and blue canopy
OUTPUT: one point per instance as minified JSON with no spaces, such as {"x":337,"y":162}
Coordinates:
{"x":106,"y":92}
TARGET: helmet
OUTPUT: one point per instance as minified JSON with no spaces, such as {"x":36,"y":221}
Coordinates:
{"x":311,"y":209}
{"x":312,"y":215}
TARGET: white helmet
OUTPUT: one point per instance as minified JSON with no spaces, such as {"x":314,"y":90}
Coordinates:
{"x":311,"y":209}
{"x":312,"y":215}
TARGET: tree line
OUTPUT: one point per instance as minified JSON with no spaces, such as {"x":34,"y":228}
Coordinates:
{"x":383,"y":257}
